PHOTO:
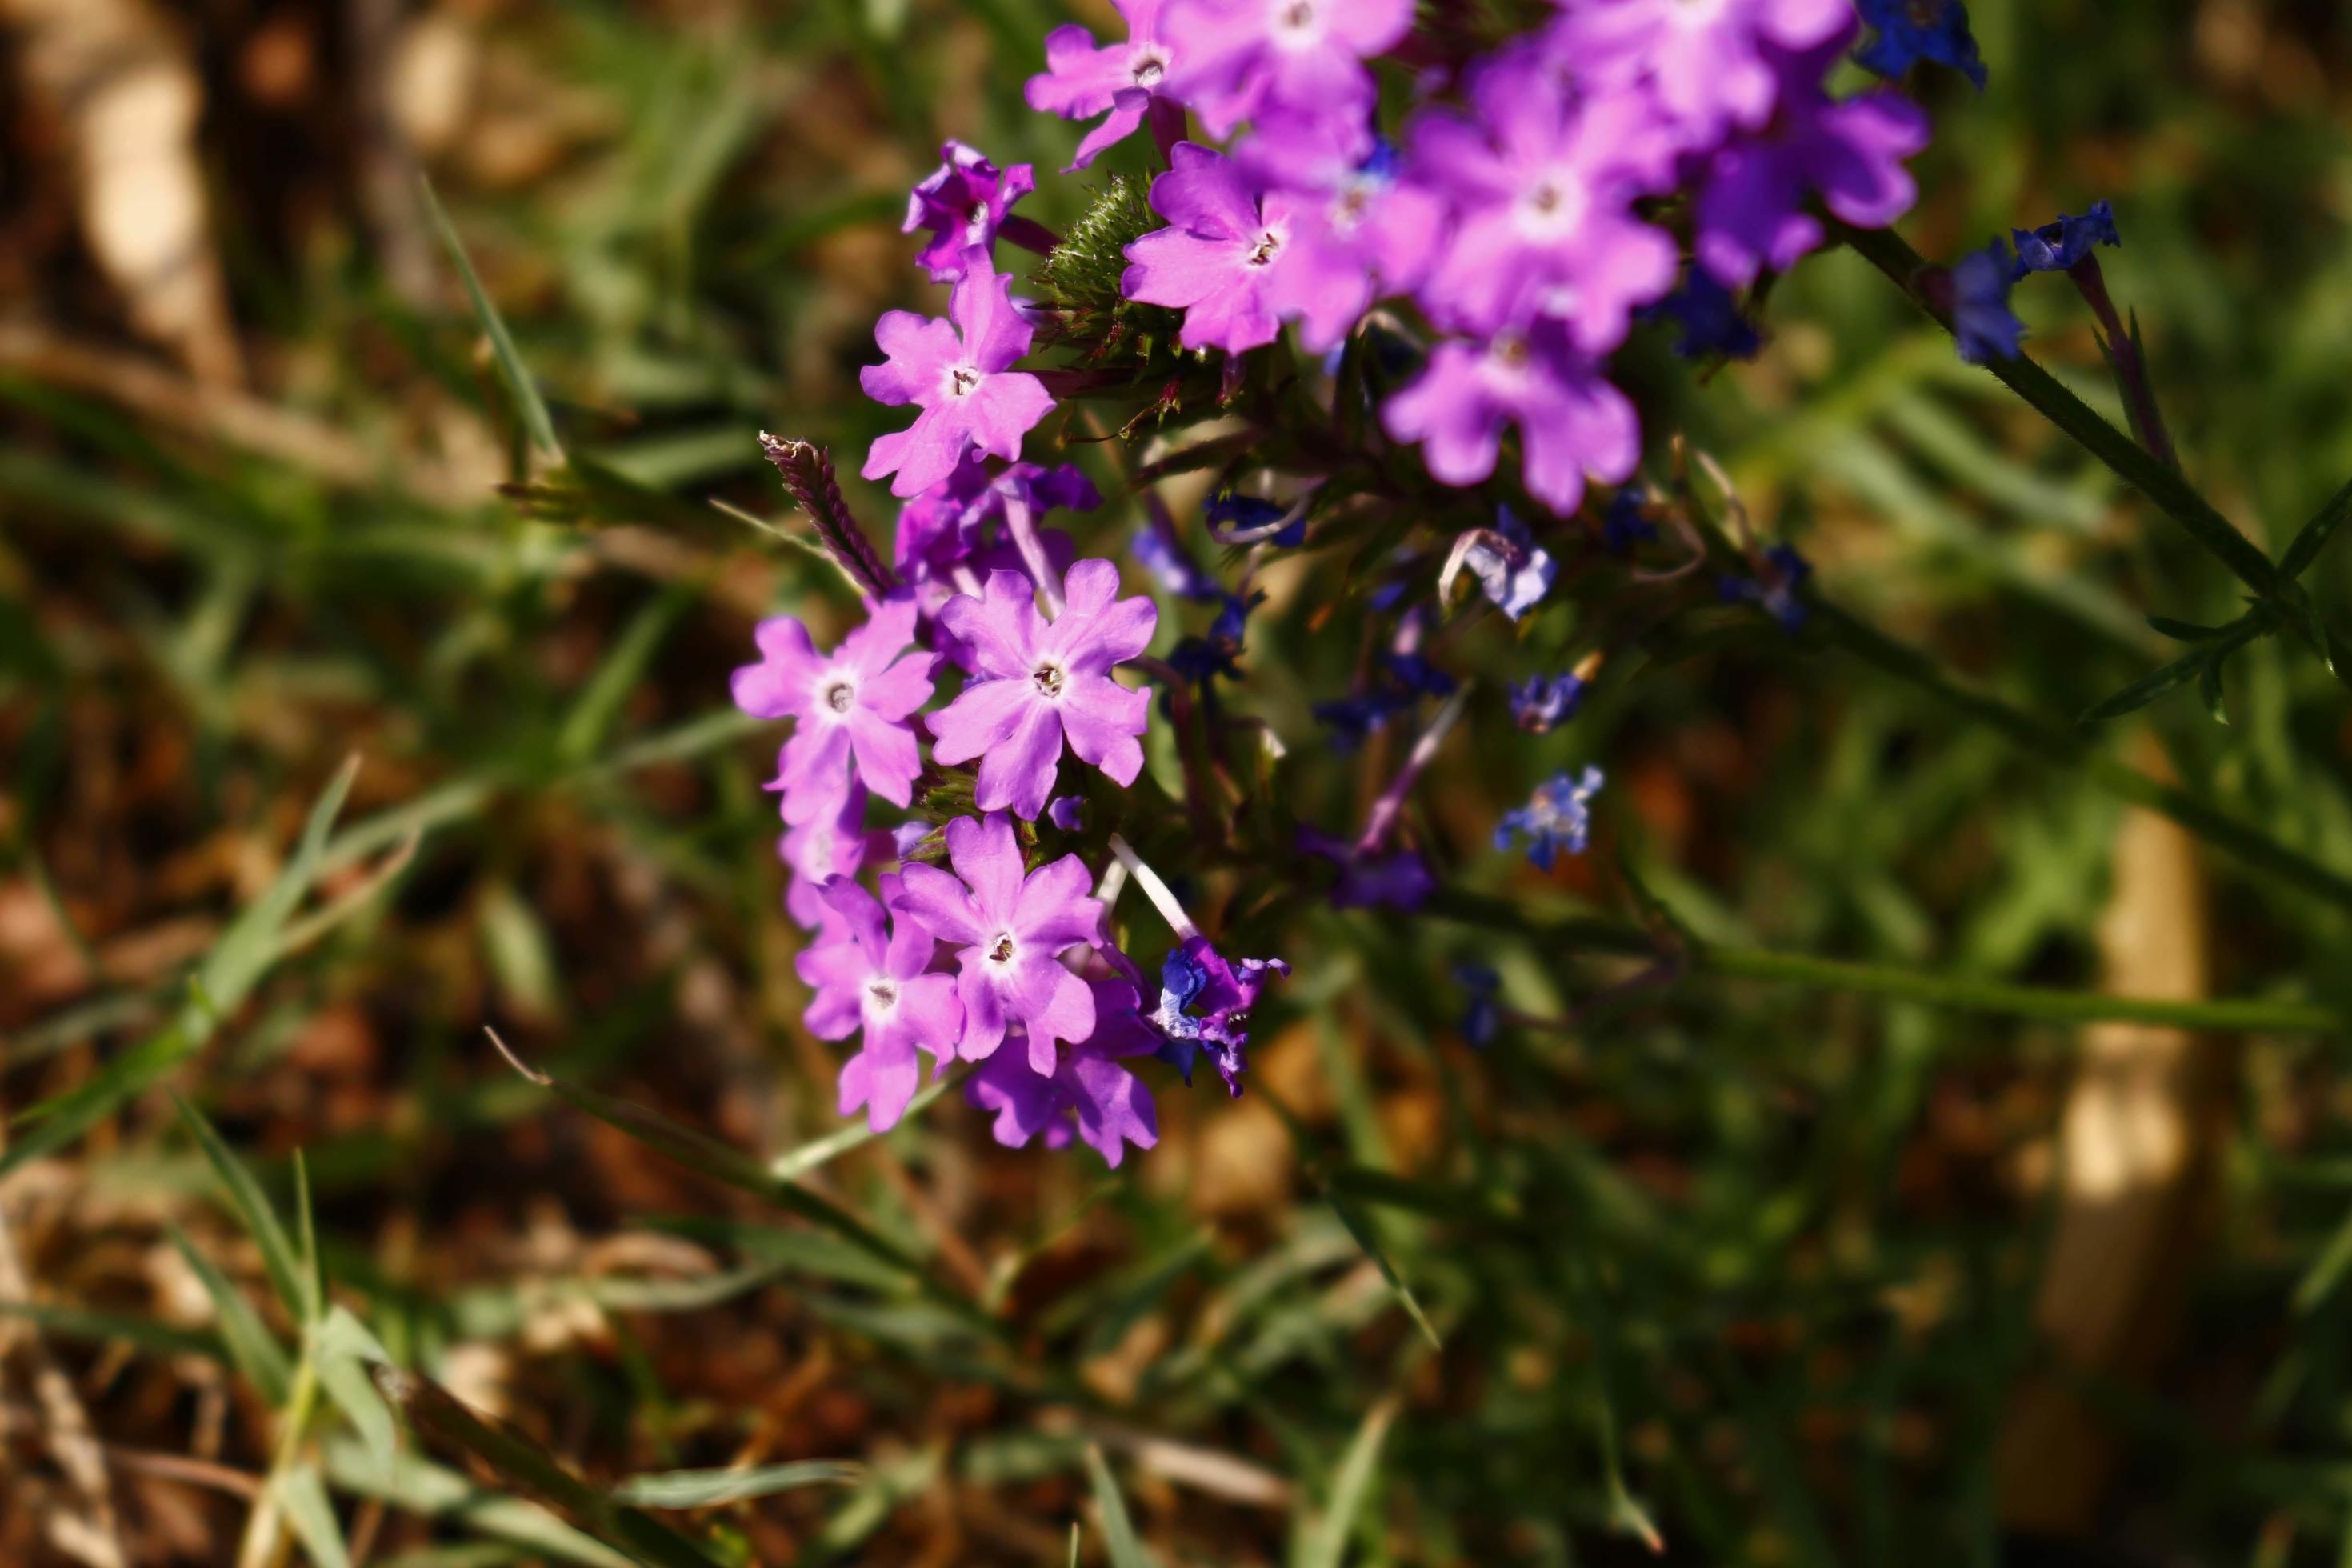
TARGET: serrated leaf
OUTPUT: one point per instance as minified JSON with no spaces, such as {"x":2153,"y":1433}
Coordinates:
{"x":252,"y":1205}
{"x":253,"y":1350}
{"x":301,"y":1495}
{"x":1118,"y":1530}
{"x":710,"y":1489}
{"x":530,"y":409}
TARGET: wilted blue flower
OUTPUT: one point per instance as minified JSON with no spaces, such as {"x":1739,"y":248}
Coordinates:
{"x":1543,"y":703}
{"x":1416,"y":674}
{"x":1983,"y":325}
{"x":1776,"y":590}
{"x":2055,"y":247}
{"x":1710,"y":318}
{"x":1397,"y":878}
{"x":1914,"y":30}
{"x":1557,"y":816}
{"x":1066,"y":812}
{"x":1482,"y":1018}
{"x":1235,"y":518}
{"x":1515,"y":571}
{"x":1622,"y":525}
{"x":1204,"y":1001}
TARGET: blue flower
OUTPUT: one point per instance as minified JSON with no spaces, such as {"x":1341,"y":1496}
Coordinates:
{"x":1910,"y":31}
{"x":1232,"y":513}
{"x":2056,"y":247}
{"x":1515,"y":571}
{"x":1156,"y":547}
{"x":1066,"y":812}
{"x":1417,"y":675}
{"x":1710,"y":318}
{"x":1624,"y":526}
{"x":1399,"y":879}
{"x":1481,"y":1018}
{"x":1356,"y":718}
{"x":1982,"y":323}
{"x":1543,"y":703}
{"x":1776,"y":590}
{"x":1557,"y":816}
{"x":1196,"y":973}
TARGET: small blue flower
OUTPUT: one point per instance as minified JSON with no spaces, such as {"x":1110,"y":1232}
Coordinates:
{"x":1710,"y":318}
{"x":2056,"y":247}
{"x":1066,"y":812}
{"x":1356,"y":718}
{"x":1156,"y":550}
{"x":1417,"y":675}
{"x":1776,"y":590}
{"x":1544,"y":702}
{"x":1622,"y":525}
{"x":1231,"y":512}
{"x":1515,"y":571}
{"x":1482,"y":1018}
{"x":1557,"y":816}
{"x":1910,"y":31}
{"x":1983,"y":325}
{"x":1399,"y":879}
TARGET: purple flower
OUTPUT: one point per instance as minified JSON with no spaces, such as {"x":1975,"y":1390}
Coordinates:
{"x":958,"y":372}
{"x":1037,"y":683}
{"x":830,"y":843}
{"x":1010,"y":931}
{"x":1237,"y":59}
{"x":963,"y":203}
{"x":1710,"y":318}
{"x":1542,"y":184}
{"x":875,"y":979}
{"x":1066,"y":812}
{"x":2057,"y":247}
{"x":1705,"y":66}
{"x":1914,"y":30}
{"x":1571,"y":421}
{"x":949,"y":522}
{"x":851,"y":706}
{"x":1544,"y":702}
{"x":1218,"y":259}
{"x":1082,"y":78}
{"x":1983,"y":326}
{"x":1397,"y":878}
{"x":1090,"y":1095}
{"x":1204,"y":1001}
{"x":1513,"y":570}
{"x":1753,"y":209}
{"x":1356,"y":230}
{"x":1238,"y":519}
{"x":1557,"y":817}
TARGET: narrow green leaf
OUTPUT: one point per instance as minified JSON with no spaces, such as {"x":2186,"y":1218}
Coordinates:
{"x":246,"y":950}
{"x":430,"y":1490}
{"x":2313,"y":536}
{"x":792,"y":1165}
{"x":252,"y":1206}
{"x":252,"y":1349}
{"x":1118,"y":1529}
{"x":523,"y":1465}
{"x":301,"y":1493}
{"x":140,"y":1334}
{"x":1350,"y":1486}
{"x":2209,"y":688}
{"x":708,"y":1489}
{"x":2185,"y":631}
{"x":2149,"y":687}
{"x":306,"y":1231}
{"x":599,"y":703}
{"x":1361,"y":1229}
{"x":529,"y":407}
{"x":1073,"y":1543}
{"x":51,"y":1125}
{"x":342,"y":1351}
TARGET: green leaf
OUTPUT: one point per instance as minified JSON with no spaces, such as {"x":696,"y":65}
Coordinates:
{"x":2313,"y":536}
{"x":247,"y":948}
{"x":798,"y":1163}
{"x":2149,"y":687}
{"x":51,"y":1125}
{"x":708,"y":1489}
{"x":252,"y":1349}
{"x":521,"y":1464}
{"x":529,"y":408}
{"x":252,"y":1205}
{"x":1118,"y":1529}
{"x":342,"y":1351}
{"x":2209,"y":688}
{"x":599,"y":703}
{"x":427,"y":1489}
{"x":141,"y":1334}
{"x":302,"y":1495}
{"x":2184,"y":631}
{"x":1350,"y":1487}
{"x":1366,"y":1238}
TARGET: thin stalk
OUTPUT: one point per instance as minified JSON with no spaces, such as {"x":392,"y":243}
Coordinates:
{"x":2173,"y":495}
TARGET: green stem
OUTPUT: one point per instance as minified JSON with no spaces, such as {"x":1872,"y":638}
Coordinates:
{"x":2173,"y":495}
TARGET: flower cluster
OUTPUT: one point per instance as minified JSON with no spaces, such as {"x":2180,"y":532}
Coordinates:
{"x":1460,"y":232}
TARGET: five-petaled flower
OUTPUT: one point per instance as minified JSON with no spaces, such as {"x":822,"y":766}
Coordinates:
{"x":1037,"y":682}
{"x":1250,"y":59}
{"x":851,"y":706}
{"x":876,"y":979}
{"x":1082,"y":78}
{"x":1558,"y":817}
{"x":1090,"y":1095}
{"x":958,"y":371}
{"x":963,"y":203}
{"x":1010,"y":931}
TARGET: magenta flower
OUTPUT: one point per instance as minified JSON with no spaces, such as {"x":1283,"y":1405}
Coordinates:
{"x":949,"y":522}
{"x":1082,"y":78}
{"x":963,"y":203}
{"x":1754,"y":211}
{"x":1236,"y":59}
{"x":1090,"y":1096}
{"x":828,"y":845}
{"x":875,"y":980}
{"x":1011,"y":931}
{"x":959,"y":372}
{"x":1707,"y":67}
{"x":1036,"y":683}
{"x":1571,"y":421}
{"x":851,"y":706}
{"x":1218,"y":258}
{"x":1356,"y":230}
{"x":1204,"y":1005}
{"x":1543,"y":183}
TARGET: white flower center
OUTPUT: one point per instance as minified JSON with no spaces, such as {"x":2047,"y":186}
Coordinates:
{"x":963,"y":378}
{"x":1147,"y":68}
{"x":1298,"y":23}
{"x":1555,"y":207}
{"x":1000,"y":951}
{"x":881,"y":993}
{"x":840,"y":694}
{"x":1268,"y":246}
{"x":1049,"y":678}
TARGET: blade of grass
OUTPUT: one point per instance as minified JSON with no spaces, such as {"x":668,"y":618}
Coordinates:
{"x":1350,"y":1487}
{"x":529,"y":407}
{"x":708,"y":1489}
{"x":252,"y":1206}
{"x":427,"y":1489}
{"x":252,"y":1349}
{"x":302,"y":1494}
{"x":1118,"y":1530}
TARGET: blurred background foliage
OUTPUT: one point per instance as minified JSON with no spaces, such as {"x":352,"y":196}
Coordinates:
{"x":1730,"y":1272}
